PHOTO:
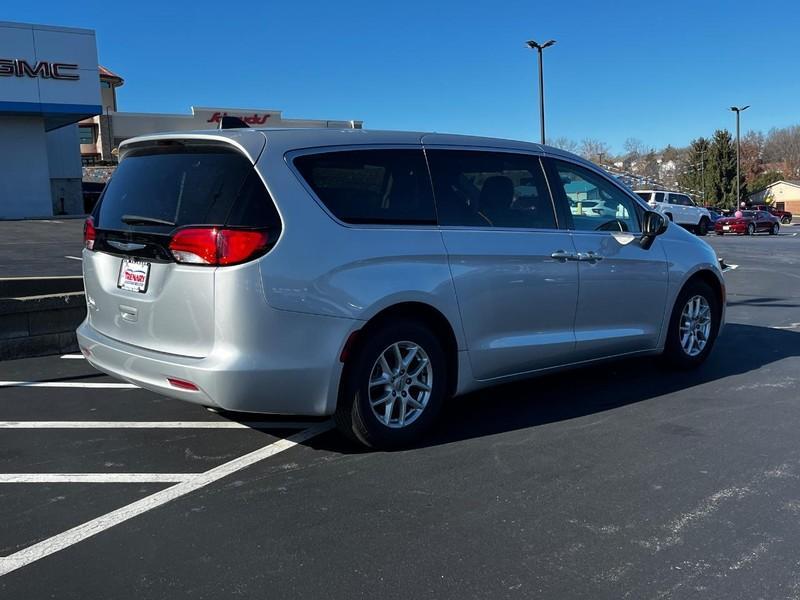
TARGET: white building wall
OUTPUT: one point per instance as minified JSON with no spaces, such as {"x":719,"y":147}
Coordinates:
{"x":63,"y":150}
{"x":32,"y":102}
{"x":25,"y":184}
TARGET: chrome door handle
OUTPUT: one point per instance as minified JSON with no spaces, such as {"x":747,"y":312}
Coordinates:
{"x":590,"y":257}
{"x":563,"y":255}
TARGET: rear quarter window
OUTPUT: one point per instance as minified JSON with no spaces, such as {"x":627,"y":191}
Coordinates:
{"x":371,"y":186}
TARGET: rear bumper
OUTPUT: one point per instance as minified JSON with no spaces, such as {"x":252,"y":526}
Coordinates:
{"x":731,"y":229}
{"x":296,"y":372}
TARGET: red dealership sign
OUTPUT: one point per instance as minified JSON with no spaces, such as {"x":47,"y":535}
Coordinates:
{"x":254,"y":119}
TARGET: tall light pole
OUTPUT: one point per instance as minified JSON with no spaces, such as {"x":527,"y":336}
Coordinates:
{"x":539,"y":48}
{"x":703,"y":173}
{"x":738,"y":110}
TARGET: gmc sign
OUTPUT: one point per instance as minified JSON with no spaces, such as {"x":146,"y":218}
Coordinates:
{"x":16,"y":67}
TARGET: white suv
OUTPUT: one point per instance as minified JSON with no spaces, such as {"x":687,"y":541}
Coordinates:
{"x":679,"y":208}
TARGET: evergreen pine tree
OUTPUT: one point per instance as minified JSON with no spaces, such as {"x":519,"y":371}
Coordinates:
{"x":721,"y":170}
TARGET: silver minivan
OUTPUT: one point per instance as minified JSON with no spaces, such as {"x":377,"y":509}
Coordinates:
{"x":370,"y":275}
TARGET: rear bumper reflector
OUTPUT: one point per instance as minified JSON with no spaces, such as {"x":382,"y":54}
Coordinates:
{"x":181,"y":384}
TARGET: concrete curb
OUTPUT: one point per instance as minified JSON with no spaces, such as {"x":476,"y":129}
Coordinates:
{"x":40,"y":325}
{"x":18,"y":287}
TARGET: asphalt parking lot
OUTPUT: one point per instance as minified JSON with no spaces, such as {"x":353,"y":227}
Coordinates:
{"x":41,"y":247}
{"x":625,"y":480}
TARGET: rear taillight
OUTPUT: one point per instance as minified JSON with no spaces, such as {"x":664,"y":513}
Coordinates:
{"x":89,"y":234}
{"x":215,"y":246}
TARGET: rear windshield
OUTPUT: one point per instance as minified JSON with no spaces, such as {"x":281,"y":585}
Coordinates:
{"x":158,"y":188}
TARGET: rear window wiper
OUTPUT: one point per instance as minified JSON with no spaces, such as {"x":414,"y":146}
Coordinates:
{"x":139,"y":220}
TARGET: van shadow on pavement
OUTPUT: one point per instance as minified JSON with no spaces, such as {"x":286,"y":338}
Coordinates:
{"x":740,"y":350}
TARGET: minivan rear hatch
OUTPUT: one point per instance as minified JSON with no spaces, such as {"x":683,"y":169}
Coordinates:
{"x":138,"y":291}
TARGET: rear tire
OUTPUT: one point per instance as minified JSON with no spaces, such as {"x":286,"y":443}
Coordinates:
{"x":362,"y":416}
{"x":675,"y":349}
{"x":751,"y":229}
{"x":702,"y":228}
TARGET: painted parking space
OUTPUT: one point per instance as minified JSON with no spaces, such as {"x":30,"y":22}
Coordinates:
{"x":50,"y":471}
{"x":619,"y":480}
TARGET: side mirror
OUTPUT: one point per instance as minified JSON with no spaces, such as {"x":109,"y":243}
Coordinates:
{"x":653,"y":224}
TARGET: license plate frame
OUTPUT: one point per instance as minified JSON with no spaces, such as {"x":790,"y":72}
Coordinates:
{"x":134,"y":275}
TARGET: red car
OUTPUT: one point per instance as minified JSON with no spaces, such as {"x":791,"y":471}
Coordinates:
{"x":784,"y":216}
{"x":751,"y":221}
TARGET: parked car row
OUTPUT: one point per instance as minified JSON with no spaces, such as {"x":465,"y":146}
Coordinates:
{"x":679,"y":208}
{"x":784,"y":216}
{"x":748,"y":222}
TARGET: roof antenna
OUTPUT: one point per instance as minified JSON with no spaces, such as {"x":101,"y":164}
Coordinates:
{"x":227,"y":122}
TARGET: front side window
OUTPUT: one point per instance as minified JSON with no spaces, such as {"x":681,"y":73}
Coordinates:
{"x":490,"y":189}
{"x":680,"y":200}
{"x":371,"y":186}
{"x":595,"y":204}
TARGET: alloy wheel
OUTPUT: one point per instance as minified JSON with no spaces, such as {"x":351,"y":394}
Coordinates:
{"x":400,"y":384}
{"x":695,"y":325}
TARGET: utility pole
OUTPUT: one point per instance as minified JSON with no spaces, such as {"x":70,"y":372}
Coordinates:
{"x":703,"y":174}
{"x":539,"y":48}
{"x":738,"y":110}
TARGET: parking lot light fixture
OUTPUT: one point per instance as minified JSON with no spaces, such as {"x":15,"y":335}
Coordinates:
{"x":533,"y":45}
{"x":738,"y":110}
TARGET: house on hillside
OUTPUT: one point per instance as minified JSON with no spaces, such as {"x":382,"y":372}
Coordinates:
{"x":783,"y":195}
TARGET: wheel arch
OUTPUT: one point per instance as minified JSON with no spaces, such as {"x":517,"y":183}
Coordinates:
{"x":708,"y":277}
{"x":427,"y":314}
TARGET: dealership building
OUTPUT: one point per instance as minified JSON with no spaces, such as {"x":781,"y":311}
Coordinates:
{"x":58,"y":112}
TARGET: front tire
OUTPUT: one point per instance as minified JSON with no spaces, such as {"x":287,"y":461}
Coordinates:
{"x":693,"y":327}
{"x":775,"y":229}
{"x":394,"y":386}
{"x":786,"y":220}
{"x":702,"y":228}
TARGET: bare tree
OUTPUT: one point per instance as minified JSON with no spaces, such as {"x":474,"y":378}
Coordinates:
{"x":752,"y":155}
{"x":595,"y":150}
{"x":783,"y":146}
{"x":634,"y":148}
{"x":564,"y":143}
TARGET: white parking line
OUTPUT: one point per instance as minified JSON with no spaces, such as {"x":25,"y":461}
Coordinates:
{"x":195,"y":482}
{"x":75,"y":356}
{"x":94,"y":477}
{"x":74,"y":257}
{"x":67,"y":384}
{"x":154,"y":425}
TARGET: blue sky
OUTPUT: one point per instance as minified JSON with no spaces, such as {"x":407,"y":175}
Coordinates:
{"x":662,"y":72}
